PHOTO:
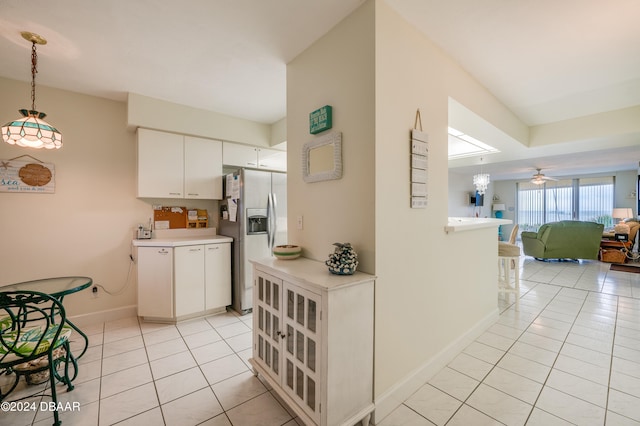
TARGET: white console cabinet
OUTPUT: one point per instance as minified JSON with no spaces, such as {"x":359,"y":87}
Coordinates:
{"x":313,"y":339}
{"x":183,"y":281}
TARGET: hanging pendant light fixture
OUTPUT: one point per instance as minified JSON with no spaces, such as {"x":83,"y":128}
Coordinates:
{"x":32,"y":131}
{"x":481,"y":180}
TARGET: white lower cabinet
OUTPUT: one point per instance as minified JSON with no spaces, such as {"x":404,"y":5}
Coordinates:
{"x":313,"y":339}
{"x":184,"y":281}
{"x":189,"y":279}
{"x":155,"y":282}
{"x":217,"y":275}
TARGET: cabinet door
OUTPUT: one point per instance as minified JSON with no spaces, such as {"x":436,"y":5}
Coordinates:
{"x":301,"y":354}
{"x":155,"y":282}
{"x":189,"y":279}
{"x":202,"y":168}
{"x":234,"y":154}
{"x":217,"y":275}
{"x":160,"y":164}
{"x":272,"y":159}
{"x":267,"y":323}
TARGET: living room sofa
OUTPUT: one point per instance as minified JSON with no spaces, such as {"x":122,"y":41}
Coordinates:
{"x":567,"y":239}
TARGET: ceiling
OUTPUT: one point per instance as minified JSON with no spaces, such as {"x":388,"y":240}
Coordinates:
{"x":546,"y":60}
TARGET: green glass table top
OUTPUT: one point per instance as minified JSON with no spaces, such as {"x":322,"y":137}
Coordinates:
{"x":57,"y":287}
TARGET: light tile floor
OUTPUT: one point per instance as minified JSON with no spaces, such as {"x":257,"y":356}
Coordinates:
{"x":569,"y":355}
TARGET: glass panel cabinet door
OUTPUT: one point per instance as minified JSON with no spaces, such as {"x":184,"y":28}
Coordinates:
{"x":267,"y":322}
{"x":302,"y":323}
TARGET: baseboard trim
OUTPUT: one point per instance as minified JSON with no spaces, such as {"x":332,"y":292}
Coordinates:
{"x":401,"y":391}
{"x":105,"y":316}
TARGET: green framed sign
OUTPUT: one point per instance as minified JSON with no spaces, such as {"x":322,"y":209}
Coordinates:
{"x":320,"y":120}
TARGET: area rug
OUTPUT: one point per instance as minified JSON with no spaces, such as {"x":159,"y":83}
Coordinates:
{"x":634,"y":268}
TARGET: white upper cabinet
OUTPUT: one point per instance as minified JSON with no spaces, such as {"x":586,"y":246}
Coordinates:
{"x":272,"y":159}
{"x":160,"y":164}
{"x":202,"y":168}
{"x":234,"y":154}
{"x":177,"y":166}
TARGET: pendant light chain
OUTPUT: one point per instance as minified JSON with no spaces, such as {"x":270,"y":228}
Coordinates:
{"x":31,"y":131}
{"x":34,"y":70}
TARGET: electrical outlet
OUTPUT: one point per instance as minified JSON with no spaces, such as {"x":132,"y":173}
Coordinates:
{"x":94,"y":291}
{"x":300,"y":222}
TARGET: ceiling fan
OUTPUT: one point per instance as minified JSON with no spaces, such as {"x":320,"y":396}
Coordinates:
{"x":539,"y":178}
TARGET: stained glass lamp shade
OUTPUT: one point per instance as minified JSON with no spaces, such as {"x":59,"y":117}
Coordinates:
{"x":31,"y":131}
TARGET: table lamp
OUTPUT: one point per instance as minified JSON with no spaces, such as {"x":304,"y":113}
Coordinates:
{"x":621,"y":213}
{"x":498,"y":209}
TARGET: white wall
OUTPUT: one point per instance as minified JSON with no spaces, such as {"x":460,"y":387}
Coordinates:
{"x":85,"y":227}
{"x":143,"y":111}
{"x":425,"y":301}
{"x":626,"y":188}
{"x":376,"y":70}
{"x":278,"y":132}
{"x":460,"y":187}
{"x":337,"y":70}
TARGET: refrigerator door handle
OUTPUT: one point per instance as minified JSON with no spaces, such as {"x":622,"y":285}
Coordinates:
{"x":270,"y":219}
{"x":274,"y":220}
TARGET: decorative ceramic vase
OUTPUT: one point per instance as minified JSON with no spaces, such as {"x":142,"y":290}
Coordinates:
{"x":343,"y":261}
{"x":287,"y":251}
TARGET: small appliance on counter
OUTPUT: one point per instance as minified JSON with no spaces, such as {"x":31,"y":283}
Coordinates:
{"x":143,"y":234}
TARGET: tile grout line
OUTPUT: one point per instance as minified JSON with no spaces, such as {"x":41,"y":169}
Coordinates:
{"x":210,"y":386}
{"x":555,"y":360}
{"x":153,"y":379}
{"x":613,"y":344}
{"x":493,"y":368}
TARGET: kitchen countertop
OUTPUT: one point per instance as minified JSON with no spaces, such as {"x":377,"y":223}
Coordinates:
{"x":182,"y":237}
{"x":457,"y":224}
{"x":182,"y":241}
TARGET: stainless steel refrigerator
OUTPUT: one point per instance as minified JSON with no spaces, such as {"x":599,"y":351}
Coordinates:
{"x":254,"y":214}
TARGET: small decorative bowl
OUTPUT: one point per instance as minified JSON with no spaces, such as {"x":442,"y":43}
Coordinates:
{"x":287,"y":251}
